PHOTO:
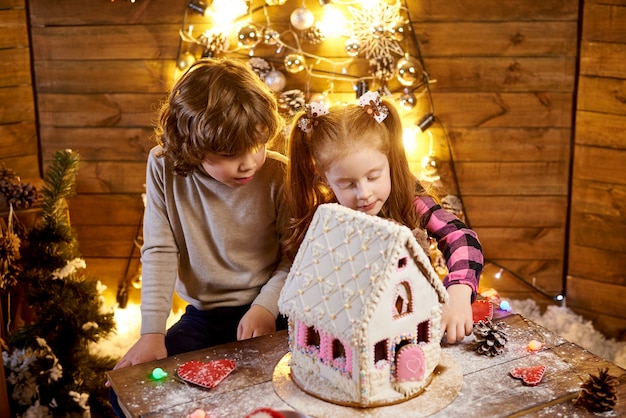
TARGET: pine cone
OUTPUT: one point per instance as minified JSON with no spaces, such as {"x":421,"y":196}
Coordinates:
{"x":20,"y":195}
{"x":598,"y":393}
{"x":313,"y":35}
{"x":292,"y":101}
{"x":260,"y":66}
{"x":490,"y":337}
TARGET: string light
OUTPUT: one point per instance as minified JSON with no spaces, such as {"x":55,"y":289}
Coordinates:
{"x":373,"y":32}
{"x":534,"y":345}
{"x":158,"y":374}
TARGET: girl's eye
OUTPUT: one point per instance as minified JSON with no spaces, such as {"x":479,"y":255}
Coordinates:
{"x":373,"y":176}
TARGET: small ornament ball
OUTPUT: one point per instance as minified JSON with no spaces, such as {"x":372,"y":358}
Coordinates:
{"x":319,"y":98}
{"x":302,"y":18}
{"x":185,"y":61}
{"x":397,"y":31}
{"x":352,"y":47}
{"x":275,"y":80}
{"x":378,"y":30}
{"x":270,"y":36}
{"x":409,"y":70}
{"x":408,"y":99}
{"x":294,"y":63}
{"x":248,"y":36}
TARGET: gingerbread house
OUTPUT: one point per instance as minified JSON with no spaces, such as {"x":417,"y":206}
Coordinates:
{"x":364,"y":307}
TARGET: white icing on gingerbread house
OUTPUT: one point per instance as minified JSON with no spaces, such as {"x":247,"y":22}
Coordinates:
{"x":364,"y":307}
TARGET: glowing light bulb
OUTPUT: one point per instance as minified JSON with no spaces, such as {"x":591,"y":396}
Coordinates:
{"x":498,"y":274}
{"x":505,"y":306}
{"x":333,"y":22}
{"x":534,"y":345}
{"x":410,"y":143}
{"x":158,"y":374}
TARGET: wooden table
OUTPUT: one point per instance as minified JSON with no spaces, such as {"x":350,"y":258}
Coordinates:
{"x":487,"y":391}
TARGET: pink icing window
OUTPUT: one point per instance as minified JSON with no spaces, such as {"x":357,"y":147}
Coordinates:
{"x":312,"y":337}
{"x":342,"y":358}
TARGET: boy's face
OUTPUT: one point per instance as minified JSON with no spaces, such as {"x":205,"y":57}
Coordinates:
{"x":234,"y":170}
{"x":361,"y":180}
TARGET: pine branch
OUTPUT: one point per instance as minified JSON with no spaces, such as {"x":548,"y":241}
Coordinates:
{"x":59,"y":185}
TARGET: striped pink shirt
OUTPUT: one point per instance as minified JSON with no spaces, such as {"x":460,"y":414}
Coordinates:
{"x":458,"y":243}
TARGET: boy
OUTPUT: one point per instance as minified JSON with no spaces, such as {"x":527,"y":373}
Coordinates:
{"x":214,"y":216}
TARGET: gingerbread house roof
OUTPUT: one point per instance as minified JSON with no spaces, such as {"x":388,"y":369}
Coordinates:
{"x":344,"y":262}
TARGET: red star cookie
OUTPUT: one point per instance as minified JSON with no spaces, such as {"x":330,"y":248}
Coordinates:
{"x":208,"y":375}
{"x":531,"y":376}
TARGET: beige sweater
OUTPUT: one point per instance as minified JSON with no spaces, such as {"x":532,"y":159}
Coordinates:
{"x":214,"y":244}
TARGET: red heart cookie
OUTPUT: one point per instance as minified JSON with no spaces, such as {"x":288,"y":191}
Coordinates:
{"x":531,"y":376}
{"x":207,"y":375}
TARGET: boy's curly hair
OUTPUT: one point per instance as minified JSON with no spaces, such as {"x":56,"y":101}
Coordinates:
{"x":219,"y":106}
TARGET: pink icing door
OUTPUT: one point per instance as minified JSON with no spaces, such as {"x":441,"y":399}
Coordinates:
{"x":410,"y":364}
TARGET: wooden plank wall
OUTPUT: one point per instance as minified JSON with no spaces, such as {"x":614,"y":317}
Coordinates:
{"x":505,"y":92}
{"x":101,"y":68}
{"x":596,"y":281}
{"x":505,"y":79}
{"x":18,"y":131}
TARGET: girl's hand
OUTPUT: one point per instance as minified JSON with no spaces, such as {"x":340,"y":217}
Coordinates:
{"x":456,"y":319}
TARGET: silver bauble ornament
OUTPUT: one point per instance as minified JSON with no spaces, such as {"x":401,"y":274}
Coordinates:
{"x":352,"y":47}
{"x":302,"y":18}
{"x":248,"y":36}
{"x":275,"y":80}
{"x":409,"y":70}
{"x":294,"y":63}
{"x":319,"y":98}
{"x":408,"y":99}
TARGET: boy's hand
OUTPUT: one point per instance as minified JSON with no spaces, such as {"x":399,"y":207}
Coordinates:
{"x":256,"y":322}
{"x":149,"y":347}
{"x":456,"y":319}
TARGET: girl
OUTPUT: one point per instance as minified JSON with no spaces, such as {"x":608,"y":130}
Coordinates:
{"x":354,"y":155}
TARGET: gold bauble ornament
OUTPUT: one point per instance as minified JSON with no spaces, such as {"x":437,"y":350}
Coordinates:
{"x":294,"y":63}
{"x":248,"y":36}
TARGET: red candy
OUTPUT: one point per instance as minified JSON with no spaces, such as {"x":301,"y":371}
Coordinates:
{"x":208,"y":375}
{"x":265,"y":413}
{"x":481,"y":310}
{"x":531,"y":376}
